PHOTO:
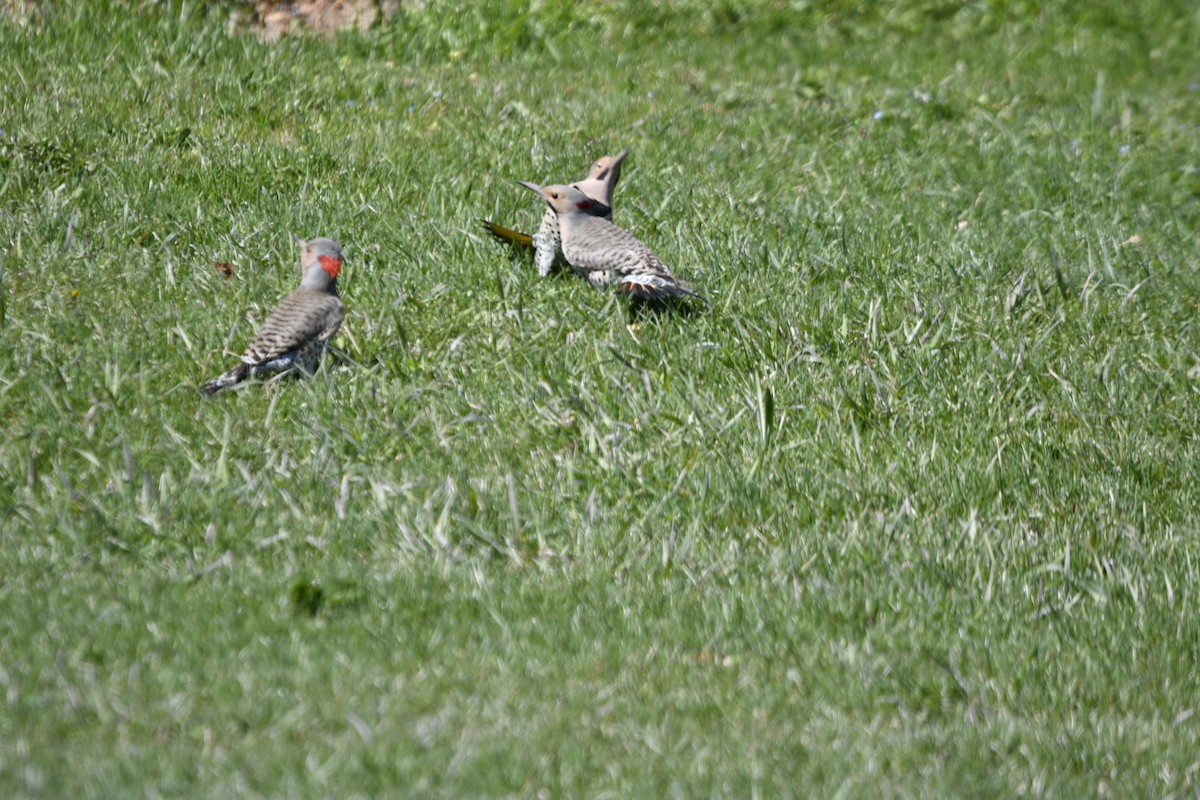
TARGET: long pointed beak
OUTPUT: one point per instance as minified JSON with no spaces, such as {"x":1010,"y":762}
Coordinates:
{"x":619,"y":157}
{"x":300,"y":241}
{"x":533,"y":187}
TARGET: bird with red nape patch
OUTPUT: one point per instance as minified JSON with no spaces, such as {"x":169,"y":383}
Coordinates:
{"x":599,"y":185}
{"x":295,"y":334}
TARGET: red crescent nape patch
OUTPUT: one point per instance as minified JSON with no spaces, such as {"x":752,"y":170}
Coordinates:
{"x":584,"y":205}
{"x":331,"y":265}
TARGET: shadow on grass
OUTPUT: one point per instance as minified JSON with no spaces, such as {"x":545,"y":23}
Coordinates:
{"x":638,"y":309}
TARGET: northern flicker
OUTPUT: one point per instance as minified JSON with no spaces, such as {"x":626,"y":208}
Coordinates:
{"x":599,"y":185}
{"x":605,"y":254}
{"x":296,"y":332}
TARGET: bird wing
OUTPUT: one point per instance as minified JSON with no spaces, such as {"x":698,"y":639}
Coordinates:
{"x":303,"y":316}
{"x":618,"y":257}
{"x":597,"y":244}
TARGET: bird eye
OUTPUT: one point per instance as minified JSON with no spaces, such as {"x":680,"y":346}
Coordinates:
{"x":554,"y":195}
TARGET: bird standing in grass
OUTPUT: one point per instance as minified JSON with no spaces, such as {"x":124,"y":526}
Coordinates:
{"x":599,"y":185}
{"x":605,"y":254}
{"x":296,"y":332}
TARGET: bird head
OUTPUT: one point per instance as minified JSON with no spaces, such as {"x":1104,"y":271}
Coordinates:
{"x":321,"y":262}
{"x":566,"y":200}
{"x":602,"y":177}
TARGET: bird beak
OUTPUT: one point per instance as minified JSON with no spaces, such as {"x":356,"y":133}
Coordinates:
{"x":533,"y":187}
{"x":619,"y":157}
{"x":538,"y":190}
{"x":300,"y":241}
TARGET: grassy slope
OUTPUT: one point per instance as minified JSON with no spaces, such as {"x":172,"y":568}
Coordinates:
{"x":912,"y":509}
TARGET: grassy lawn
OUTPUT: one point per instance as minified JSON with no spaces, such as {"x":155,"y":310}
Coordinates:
{"x":910,"y":509}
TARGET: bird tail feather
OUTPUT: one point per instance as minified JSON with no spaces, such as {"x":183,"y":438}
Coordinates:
{"x":653,"y":287}
{"x":225,"y":380}
{"x":507,"y":235}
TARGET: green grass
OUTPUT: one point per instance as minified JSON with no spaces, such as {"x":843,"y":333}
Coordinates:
{"x":911,"y":509}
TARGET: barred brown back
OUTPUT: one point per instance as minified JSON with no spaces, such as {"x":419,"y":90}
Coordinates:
{"x":303,"y":316}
